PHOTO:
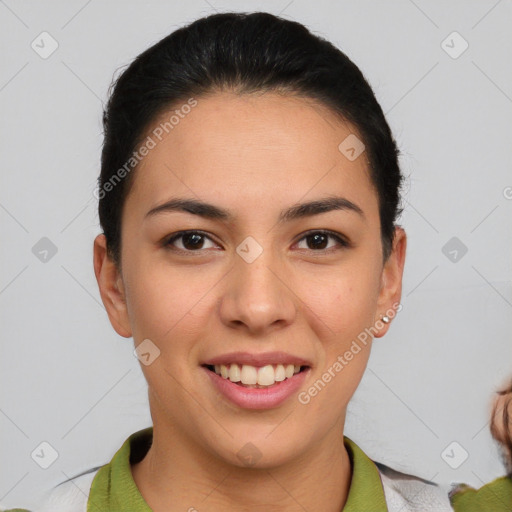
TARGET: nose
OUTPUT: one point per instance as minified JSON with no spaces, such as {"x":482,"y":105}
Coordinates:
{"x":257,"y":297}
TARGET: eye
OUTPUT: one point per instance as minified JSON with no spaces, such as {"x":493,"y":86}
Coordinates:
{"x":195,"y":241}
{"x":189,"y":241}
{"x":318,"y":241}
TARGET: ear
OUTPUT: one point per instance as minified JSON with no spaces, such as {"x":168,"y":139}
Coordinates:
{"x":391,"y":282}
{"x":111,"y":286}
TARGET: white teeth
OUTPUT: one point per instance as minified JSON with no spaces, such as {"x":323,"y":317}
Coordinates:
{"x":234,"y":373}
{"x":266,"y":375}
{"x":280,"y":376}
{"x":249,"y":374}
{"x":256,"y":377}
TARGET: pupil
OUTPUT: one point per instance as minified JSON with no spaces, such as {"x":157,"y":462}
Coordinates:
{"x":194,"y":238}
{"x":319,"y":240}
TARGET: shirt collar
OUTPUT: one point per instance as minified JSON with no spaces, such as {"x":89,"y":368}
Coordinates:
{"x":114,"y":489}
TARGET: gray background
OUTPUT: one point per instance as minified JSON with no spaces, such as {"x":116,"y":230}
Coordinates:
{"x":68,"y":379}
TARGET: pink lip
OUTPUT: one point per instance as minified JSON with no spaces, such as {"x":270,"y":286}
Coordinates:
{"x":257,"y":359}
{"x":257,"y":398}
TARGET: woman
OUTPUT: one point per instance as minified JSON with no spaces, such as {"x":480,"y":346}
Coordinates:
{"x":248,"y":196}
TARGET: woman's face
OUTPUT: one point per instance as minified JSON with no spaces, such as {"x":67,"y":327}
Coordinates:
{"x":254,"y":286}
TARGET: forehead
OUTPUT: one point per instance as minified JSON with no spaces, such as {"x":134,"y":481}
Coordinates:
{"x":243,"y":148}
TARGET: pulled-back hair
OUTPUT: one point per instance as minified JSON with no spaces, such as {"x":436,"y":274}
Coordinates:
{"x":242,"y":52}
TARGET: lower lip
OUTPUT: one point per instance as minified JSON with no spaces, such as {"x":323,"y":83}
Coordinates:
{"x":258,"y":398}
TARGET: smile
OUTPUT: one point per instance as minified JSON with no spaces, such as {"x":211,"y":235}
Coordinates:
{"x":256,"y":387}
{"x":256,"y":377}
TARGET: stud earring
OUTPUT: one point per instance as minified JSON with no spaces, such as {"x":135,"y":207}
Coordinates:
{"x":386,"y":319}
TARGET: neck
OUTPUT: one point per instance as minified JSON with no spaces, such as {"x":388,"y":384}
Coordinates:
{"x":177,"y":475}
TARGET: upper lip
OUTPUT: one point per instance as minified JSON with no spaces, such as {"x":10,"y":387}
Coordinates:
{"x":252,"y":359}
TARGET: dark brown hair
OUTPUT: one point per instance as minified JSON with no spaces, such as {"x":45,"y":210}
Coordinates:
{"x":246,"y":52}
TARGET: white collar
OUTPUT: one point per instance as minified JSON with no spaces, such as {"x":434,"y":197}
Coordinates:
{"x":408,"y":493}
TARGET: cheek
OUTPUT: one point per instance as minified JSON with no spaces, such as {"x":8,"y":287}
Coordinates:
{"x":166,"y":302}
{"x":167,"y":306}
{"x":341,"y":306}
{"x":344,"y":299}
{"x":341,"y":309}
{"x":163,"y":300}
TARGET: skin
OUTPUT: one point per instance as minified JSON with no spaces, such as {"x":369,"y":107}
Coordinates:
{"x":253,"y":155}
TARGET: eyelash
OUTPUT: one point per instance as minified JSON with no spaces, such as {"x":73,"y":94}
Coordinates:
{"x":342,"y":242}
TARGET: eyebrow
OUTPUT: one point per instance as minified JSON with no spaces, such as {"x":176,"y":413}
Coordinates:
{"x":210,"y":211}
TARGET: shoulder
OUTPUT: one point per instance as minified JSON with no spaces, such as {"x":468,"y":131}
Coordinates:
{"x":70,"y":495}
{"x":410,"y":493}
{"x":495,"y":496}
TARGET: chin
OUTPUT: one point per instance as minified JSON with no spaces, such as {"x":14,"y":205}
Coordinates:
{"x":259,"y":451}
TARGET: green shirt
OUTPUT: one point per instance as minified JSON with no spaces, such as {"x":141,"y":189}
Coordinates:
{"x":113,"y":489}
{"x":495,"y":496}
{"x":373,"y":488}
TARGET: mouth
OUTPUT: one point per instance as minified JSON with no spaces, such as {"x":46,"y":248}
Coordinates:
{"x":263,"y":381}
{"x":262,"y":377}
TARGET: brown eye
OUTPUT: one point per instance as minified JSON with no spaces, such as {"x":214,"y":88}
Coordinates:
{"x":187,"y":241}
{"x":319,"y":240}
